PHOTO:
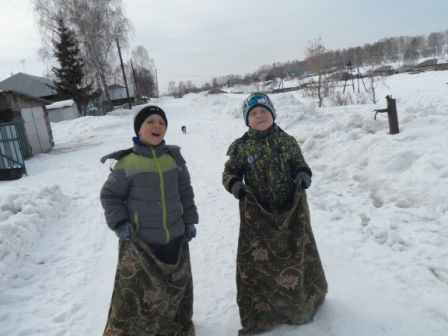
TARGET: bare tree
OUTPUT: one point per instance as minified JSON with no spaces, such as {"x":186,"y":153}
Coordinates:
{"x":317,"y":58}
{"x":144,"y":71}
{"x":374,"y":81}
{"x":181,"y":89}
{"x":96,"y":25}
{"x":207,"y":86}
{"x":435,"y":42}
{"x":190,"y":87}
{"x":172,"y":89}
{"x":141,"y":58}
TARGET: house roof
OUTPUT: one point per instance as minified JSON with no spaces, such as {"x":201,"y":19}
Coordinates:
{"x":216,"y":91}
{"x":383,"y":68}
{"x":28,"y":84}
{"x":429,"y":62}
{"x":264,"y":75}
{"x":115,"y":86}
{"x":25,"y":96}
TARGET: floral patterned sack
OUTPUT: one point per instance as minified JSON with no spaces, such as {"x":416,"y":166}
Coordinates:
{"x":151,"y":298}
{"x":280,"y":277}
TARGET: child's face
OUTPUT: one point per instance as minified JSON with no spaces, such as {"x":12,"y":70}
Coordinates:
{"x":260,"y":118}
{"x":152,"y":130}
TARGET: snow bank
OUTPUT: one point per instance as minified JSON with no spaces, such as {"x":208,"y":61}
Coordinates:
{"x":24,"y":217}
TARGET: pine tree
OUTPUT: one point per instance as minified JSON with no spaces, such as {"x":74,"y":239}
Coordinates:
{"x":69,"y":76}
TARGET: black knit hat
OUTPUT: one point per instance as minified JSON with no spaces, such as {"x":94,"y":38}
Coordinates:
{"x":144,"y":113}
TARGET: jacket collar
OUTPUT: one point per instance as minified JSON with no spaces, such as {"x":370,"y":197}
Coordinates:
{"x":144,"y":150}
{"x":273,"y":131}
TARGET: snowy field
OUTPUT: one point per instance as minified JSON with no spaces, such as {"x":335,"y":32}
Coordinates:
{"x":378,"y":206}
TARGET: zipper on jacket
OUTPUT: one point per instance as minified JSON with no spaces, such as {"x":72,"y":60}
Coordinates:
{"x":137,"y":224}
{"x":162,"y":190}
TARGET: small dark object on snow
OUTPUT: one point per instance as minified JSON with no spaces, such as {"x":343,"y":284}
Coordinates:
{"x":184,"y":129}
{"x":11,"y":174}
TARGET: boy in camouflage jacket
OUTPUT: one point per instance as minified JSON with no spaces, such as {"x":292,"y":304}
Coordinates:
{"x":269,"y":160}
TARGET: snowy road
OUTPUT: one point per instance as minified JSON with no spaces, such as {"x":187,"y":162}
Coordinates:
{"x":382,"y":236}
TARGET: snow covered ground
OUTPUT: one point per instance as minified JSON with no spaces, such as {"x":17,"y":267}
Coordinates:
{"x":378,"y":205}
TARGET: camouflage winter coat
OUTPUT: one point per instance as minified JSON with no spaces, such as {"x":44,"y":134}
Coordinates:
{"x":269,"y":162}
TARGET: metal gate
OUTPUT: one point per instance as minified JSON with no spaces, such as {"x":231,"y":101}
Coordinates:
{"x":13,"y":145}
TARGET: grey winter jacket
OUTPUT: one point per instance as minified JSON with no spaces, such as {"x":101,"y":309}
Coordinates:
{"x":150,"y":188}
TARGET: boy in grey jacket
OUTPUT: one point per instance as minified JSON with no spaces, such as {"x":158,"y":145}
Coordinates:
{"x":149,"y":189}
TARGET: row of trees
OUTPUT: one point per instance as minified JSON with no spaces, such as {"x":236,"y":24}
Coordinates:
{"x":96,"y":32}
{"x":183,"y":88}
{"x":406,"y":50}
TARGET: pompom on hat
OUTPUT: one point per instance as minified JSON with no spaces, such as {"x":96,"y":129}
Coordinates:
{"x":140,"y":116}
{"x":257,"y":99}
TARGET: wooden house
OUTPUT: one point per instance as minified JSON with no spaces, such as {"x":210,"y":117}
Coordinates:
{"x":29,"y":118}
{"x":266,"y":76}
{"x":427,"y":65}
{"x":385,"y":70}
{"x":118,"y":95}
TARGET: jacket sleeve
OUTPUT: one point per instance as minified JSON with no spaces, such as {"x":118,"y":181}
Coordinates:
{"x":233,"y":168}
{"x":113,"y":197}
{"x":297,"y":162}
{"x":190,"y":215}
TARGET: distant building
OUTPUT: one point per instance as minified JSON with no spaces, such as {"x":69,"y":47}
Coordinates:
{"x":385,"y":70}
{"x":264,"y":77}
{"x":426,"y":65}
{"x":118,"y":95}
{"x":62,"y":110}
{"x":441,"y":66}
{"x":35,"y":86}
{"x":216,"y":91}
{"x":403,"y":69}
{"x":291,"y":75}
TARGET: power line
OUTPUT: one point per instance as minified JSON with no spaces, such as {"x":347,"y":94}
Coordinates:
{"x":164,"y":73}
{"x":20,"y":10}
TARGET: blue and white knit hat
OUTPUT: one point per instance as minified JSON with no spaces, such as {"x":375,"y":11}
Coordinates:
{"x":257,"y":99}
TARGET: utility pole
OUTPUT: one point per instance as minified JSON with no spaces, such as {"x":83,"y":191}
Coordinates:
{"x":23,"y":64}
{"x":135,"y":80}
{"x":124,"y":74}
{"x":157,"y":85}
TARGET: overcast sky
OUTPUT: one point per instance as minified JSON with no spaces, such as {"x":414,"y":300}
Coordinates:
{"x":200,"y":39}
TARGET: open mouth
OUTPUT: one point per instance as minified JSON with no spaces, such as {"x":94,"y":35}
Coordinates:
{"x":156,"y":134}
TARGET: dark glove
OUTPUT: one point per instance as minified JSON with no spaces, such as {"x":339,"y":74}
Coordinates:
{"x":123,"y":230}
{"x":306,"y":179}
{"x":190,"y":231}
{"x":238,"y":190}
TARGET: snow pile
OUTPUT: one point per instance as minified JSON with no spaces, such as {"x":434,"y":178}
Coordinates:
{"x":60,"y":104}
{"x":23,"y":218}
